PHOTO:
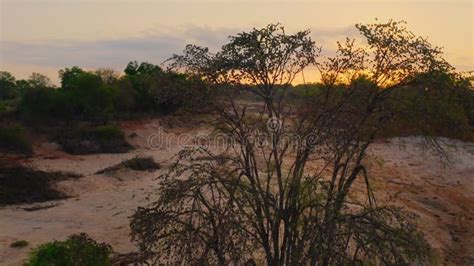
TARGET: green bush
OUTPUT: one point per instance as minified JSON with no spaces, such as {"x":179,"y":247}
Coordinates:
{"x":78,"y":250}
{"x":37,"y":104}
{"x":13,"y":138}
{"x":101,"y":139}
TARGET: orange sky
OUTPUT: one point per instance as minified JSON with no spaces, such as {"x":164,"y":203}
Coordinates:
{"x":45,"y":36}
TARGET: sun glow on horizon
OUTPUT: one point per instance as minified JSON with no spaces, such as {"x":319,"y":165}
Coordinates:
{"x":53,"y":35}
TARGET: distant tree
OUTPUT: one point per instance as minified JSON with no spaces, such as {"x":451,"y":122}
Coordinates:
{"x":433,"y":104}
{"x":39,"y":80}
{"x":90,"y":97}
{"x":69,"y":77}
{"x":22,"y":85}
{"x":7,"y":77}
{"x":173,"y":91}
{"x":143,"y":78}
{"x":470,"y":77}
{"x":108,"y":75}
{"x":83,"y":95}
{"x":36,"y":104}
{"x":133,"y":68}
{"x":124,"y":96}
{"x":8,"y":88}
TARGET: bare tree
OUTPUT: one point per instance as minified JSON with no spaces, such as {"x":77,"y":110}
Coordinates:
{"x":108,"y":75}
{"x":281,"y":192}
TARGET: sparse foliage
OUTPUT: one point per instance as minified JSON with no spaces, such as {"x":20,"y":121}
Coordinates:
{"x":275,"y":200}
{"x":108,"y":75}
{"x":39,"y":80}
{"x":13,"y":138}
{"x":267,"y":58}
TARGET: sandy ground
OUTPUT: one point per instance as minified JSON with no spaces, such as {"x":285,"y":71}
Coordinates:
{"x":441,"y":195}
{"x":101,"y":205}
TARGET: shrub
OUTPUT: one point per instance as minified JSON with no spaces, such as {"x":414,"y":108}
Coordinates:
{"x":101,"y":139}
{"x":8,"y":88}
{"x":40,"y":104}
{"x":23,"y":184}
{"x":432,"y":108}
{"x":3,"y":107}
{"x":107,"y":132}
{"x":14,"y":139}
{"x":137,"y":164}
{"x":165,"y":91}
{"x":78,"y":249}
{"x":19,"y":244}
{"x":90,"y":97}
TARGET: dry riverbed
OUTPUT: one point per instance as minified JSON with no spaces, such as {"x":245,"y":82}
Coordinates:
{"x":442,"y":195}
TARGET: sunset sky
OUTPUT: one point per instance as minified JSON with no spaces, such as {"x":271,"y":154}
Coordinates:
{"x":45,"y":36}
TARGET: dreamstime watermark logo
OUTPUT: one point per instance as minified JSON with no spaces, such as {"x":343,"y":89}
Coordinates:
{"x":274,"y":124}
{"x":275,"y":134}
{"x":162,"y":140}
{"x":311,"y":140}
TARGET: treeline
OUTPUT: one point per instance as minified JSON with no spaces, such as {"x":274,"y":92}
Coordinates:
{"x":100,"y":95}
{"x":432,"y":104}
{"x":442,"y":103}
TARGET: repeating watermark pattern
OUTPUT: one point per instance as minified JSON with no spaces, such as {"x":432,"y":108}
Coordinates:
{"x":161,"y":140}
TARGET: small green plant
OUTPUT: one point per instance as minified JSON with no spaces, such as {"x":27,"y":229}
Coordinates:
{"x":19,"y":244}
{"x":13,"y":138}
{"x":78,"y":249}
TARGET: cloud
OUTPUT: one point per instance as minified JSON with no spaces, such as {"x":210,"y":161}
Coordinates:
{"x":114,"y":53}
{"x":154,"y":47}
